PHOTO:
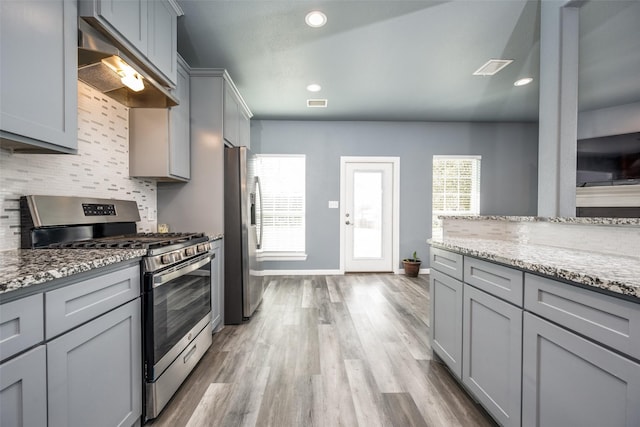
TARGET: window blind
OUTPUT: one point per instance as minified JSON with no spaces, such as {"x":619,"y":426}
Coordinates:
{"x":283,"y":202}
{"x":456,"y":188}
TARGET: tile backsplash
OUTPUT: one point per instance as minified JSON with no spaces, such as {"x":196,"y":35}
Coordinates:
{"x":100,"y":169}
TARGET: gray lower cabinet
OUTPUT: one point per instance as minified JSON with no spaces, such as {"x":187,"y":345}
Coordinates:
{"x":492,"y":354}
{"x":23,"y":390}
{"x":94,"y":372}
{"x":217,"y":288}
{"x":571,"y":381}
{"x":39,"y":101}
{"x":446,"y":320}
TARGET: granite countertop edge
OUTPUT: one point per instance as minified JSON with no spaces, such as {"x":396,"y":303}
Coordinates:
{"x":22,"y":268}
{"x":558,"y":220}
{"x":567,"y":273}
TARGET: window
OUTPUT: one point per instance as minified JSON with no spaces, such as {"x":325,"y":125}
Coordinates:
{"x":283,"y":206}
{"x":456,"y":188}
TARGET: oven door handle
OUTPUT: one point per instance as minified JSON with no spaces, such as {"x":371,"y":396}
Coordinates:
{"x":194,"y":265}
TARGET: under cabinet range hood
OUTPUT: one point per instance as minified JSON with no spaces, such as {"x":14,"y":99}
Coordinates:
{"x":106,"y":68}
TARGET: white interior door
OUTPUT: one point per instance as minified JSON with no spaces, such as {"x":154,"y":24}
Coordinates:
{"x":368,"y":215}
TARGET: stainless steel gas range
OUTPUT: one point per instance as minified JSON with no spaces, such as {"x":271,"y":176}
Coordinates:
{"x":175,"y":282}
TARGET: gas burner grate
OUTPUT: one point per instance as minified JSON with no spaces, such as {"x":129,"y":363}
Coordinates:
{"x":131,"y":241}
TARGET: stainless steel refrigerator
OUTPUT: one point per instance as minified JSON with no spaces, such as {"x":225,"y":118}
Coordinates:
{"x":243,"y":282}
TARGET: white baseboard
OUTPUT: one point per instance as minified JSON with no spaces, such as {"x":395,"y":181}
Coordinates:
{"x":422,"y":271}
{"x":301,"y":272}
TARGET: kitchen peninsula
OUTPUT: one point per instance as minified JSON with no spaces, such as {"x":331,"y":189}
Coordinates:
{"x":539,"y":318}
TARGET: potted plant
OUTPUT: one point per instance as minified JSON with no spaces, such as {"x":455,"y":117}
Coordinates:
{"x":412,"y":265}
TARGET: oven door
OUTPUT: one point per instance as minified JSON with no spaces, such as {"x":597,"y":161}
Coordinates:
{"x":177,"y":307}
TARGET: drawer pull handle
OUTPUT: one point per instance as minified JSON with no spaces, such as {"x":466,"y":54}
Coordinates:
{"x":189,"y":354}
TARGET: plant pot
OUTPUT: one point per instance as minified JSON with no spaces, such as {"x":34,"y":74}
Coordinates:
{"x":411,"y":268}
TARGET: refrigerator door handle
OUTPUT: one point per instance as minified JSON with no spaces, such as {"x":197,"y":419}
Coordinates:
{"x":258,"y":223}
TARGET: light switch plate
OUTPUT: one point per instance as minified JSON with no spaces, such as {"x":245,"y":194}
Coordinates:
{"x":334,"y":204}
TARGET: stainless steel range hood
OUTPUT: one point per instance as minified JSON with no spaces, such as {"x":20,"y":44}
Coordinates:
{"x":98,"y":60}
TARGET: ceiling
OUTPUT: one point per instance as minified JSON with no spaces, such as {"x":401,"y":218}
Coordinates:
{"x":404,"y":60}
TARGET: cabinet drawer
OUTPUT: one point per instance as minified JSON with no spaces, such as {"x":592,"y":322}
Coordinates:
{"x":75,"y":304}
{"x":498,"y":280}
{"x":21,"y":325}
{"x":609,"y":320}
{"x":446,"y":262}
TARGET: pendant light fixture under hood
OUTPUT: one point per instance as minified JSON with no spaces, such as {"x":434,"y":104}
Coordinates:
{"x":104,"y":67}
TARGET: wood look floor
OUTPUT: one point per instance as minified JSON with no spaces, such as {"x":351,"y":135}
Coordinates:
{"x":326,"y":351}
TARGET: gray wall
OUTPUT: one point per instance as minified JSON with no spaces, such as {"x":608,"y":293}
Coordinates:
{"x":508,"y":172}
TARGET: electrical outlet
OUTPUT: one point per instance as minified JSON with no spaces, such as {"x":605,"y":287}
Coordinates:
{"x":334,"y":204}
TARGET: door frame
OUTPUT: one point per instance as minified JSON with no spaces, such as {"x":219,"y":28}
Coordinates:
{"x":395,"y":230}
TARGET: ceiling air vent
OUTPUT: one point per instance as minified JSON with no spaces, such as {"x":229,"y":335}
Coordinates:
{"x":492,"y":66}
{"x":320,"y":103}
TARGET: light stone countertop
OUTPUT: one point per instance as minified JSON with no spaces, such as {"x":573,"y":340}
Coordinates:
{"x":559,"y":220}
{"x":21,"y":268}
{"x":614,"y":273}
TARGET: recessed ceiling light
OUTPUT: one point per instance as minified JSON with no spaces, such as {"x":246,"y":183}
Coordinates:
{"x":315,"y":19}
{"x":317,"y":103}
{"x":523,"y":82}
{"x":492,"y":66}
{"x":314,"y":87}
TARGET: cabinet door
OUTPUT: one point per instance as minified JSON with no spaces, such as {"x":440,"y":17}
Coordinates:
{"x":94,"y":372}
{"x":446,"y":320}
{"x":180,"y":133}
{"x":23,"y":390}
{"x":570,"y":381}
{"x":492,"y":354}
{"x":129,"y":18}
{"x":217,"y":297}
{"x":231,"y":118}
{"x":39,"y":107}
{"x":163,"y":38}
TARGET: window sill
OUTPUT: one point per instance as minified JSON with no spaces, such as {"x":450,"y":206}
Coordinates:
{"x":282,"y":256}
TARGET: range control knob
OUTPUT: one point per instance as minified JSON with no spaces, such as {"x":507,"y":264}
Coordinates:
{"x":166,"y":259}
{"x":190,"y":251}
{"x":201,"y":248}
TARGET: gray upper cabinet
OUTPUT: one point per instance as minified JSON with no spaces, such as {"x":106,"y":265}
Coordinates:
{"x":144,"y":29}
{"x":39,"y":108}
{"x":231,"y":123}
{"x":492,"y":354}
{"x":236,"y":120}
{"x":571,"y":381}
{"x":23,"y":390}
{"x":160,"y":139}
{"x":94,"y":372}
{"x":446,"y":319}
{"x":129,"y":19}
{"x":163,"y":38}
